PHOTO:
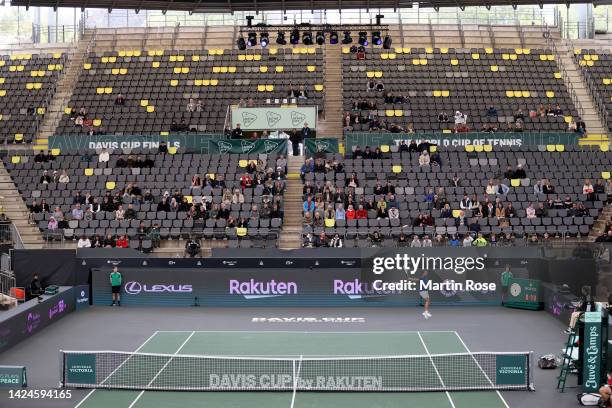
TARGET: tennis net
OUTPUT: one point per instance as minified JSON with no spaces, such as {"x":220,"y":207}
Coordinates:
{"x":436,"y":372}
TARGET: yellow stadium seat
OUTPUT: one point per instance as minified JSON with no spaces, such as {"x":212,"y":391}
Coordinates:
{"x":399,"y":112}
{"x":445,"y":93}
{"x":212,"y":52}
{"x":384,"y":56}
{"x":249,"y":57}
{"x":273,"y":51}
{"x":542,"y":57}
{"x":279,"y":68}
{"x":384,"y":148}
{"x":172,"y":150}
{"x":406,"y":50}
{"x":2,"y":92}
{"x":606,"y":81}
{"x":55,"y":152}
{"x":269,"y":88}
{"x":557,"y":75}
{"x":505,"y":57}
{"x":510,"y":94}
{"x":97,"y":122}
{"x":40,"y":111}
{"x":159,"y":53}
{"x":19,"y":137}
{"x":550,"y":94}
{"x":197,"y":82}
{"x":469,"y":148}
{"x":513,"y":57}
{"x":392,"y":56}
{"x":515,"y":182}
{"x":518,"y":94}
{"x":370,"y":74}
{"x":454,"y":61}
{"x":2,"y":80}
{"x":311,"y":68}
{"x":123,"y":71}
{"x":560,"y":148}
{"x":526,"y":94}
{"x":104,"y":60}
{"x":311,"y":50}
{"x":144,"y":102}
{"x":164,"y":133}
{"x":232,"y":70}
{"x":494,"y":68}
{"x":224,"y":70}
{"x":550,"y":148}
{"x":241,"y":232}
{"x":456,"y":213}
{"x":475,"y":56}
{"x":397,"y":169}
{"x":437,"y":93}
{"x":195,"y":58}
{"x":378,"y":74}
{"x":241,"y":57}
{"x":429,"y":50}
{"x":67,"y":110}
{"x":99,"y":91}
{"x":330,"y":222}
{"x":389,"y":112}
{"x":206,"y":82}
{"x":2,"y":63}
{"x":150,"y":108}
{"x":243,"y":163}
{"x":112,"y":59}
{"x":526,"y":51}
{"x":567,"y":119}
{"x":478,"y":148}
{"x":51,"y":67}
{"x":15,"y":159}
{"x":433,"y":149}
{"x":318,"y":88}
{"x":444,"y":50}
{"x":346,"y":50}
{"x":155,"y":64}
{"x":212,"y":175}
{"x":173,"y":82}
{"x":37,"y":85}
{"x":416,"y":61}
{"x":214,"y":82}
{"x":110,"y":185}
{"x":216,"y":70}
{"x":577,"y":51}
{"x":605,"y":175}
{"x":488,"y":148}
{"x":590,"y":63}
{"x":115,"y":71}
{"x":594,"y":57}
{"x":604,"y":147}
{"x":447,"y":131}
{"x":550,"y":57}
{"x":423,"y":61}
{"x":108,"y":90}
{"x":180,"y":58}
{"x":257,"y":57}
{"x":263,"y":69}
{"x":88,"y":172}
{"x":489,"y":50}
{"x":399,"y":50}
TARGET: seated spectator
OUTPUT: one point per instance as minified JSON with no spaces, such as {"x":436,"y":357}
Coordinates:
{"x":500,"y":211}
{"x":424,"y":158}
{"x":164,"y":205}
{"x":122,"y":242}
{"x":467,"y":240}
{"x":340,"y":212}
{"x":519,"y":115}
{"x":64,"y":178}
{"x":104,"y":156}
{"x":309,"y":241}
{"x":52,"y":225}
{"x":510,"y":211}
{"x":119,"y":213}
{"x":361,"y":213}
{"x":120,"y":100}
{"x":509,"y":173}
{"x":501,"y":188}
{"x":199,"y":106}
{"x":465,"y":203}
{"x":45,"y":178}
{"x":350,"y":213}
{"x":416,"y":242}
{"x":557,"y":111}
{"x":380,"y":86}
{"x":520,"y":172}
{"x":77,"y":212}
{"x":84,"y":242}
{"x":317,"y":220}
{"x":376,"y":239}
{"x":492,"y":112}
{"x":541,"y":211}
{"x":427,"y":243}
{"x":191,"y":106}
{"x":394,"y":213}
{"x":370,"y":85}
{"x":547,"y":188}
{"x":446,"y":212}
{"x":480,"y":241}
{"x":402,"y":240}
{"x":530,"y":211}
{"x":460,"y":118}
{"x":321,"y":241}
{"x":130,"y":213}
{"x":336,"y":241}
{"x":454,"y":241}
{"x":442,"y":117}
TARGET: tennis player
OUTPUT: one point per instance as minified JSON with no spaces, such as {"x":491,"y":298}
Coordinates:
{"x":115,"y":281}
{"x":423,"y":281}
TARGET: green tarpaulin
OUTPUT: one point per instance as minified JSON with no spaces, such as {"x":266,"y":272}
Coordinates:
{"x":314,"y":146}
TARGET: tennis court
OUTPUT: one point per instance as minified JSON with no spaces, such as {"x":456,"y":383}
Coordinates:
{"x":298,"y":345}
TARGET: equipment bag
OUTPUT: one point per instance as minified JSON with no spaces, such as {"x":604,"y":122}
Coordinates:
{"x":547,"y":362}
{"x":589,"y":399}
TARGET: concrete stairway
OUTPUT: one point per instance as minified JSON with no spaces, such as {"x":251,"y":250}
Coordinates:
{"x":63,"y":93}
{"x":331,"y":126}
{"x":600,"y":223}
{"x":15,"y":208}
{"x":574,"y":80}
{"x":291,"y":233}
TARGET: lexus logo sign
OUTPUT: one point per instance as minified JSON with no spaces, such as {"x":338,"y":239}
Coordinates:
{"x":135,"y":288}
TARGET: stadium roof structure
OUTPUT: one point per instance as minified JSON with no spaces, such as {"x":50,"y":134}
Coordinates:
{"x":219,"y":6}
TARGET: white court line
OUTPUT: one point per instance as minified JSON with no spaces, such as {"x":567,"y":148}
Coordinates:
{"x":115,"y":370}
{"x":308,"y":332}
{"x":436,"y":368}
{"x":161,"y":369}
{"x":483,"y":371}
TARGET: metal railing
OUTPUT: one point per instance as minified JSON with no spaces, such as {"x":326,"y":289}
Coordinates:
{"x":8,"y":281}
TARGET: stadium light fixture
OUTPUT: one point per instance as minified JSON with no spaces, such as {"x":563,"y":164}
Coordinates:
{"x":347,"y":38}
{"x":295,"y":36}
{"x":307,"y":38}
{"x":387,"y":42}
{"x":280,"y":38}
{"x":264,"y":39}
{"x":320,"y":38}
{"x":333,"y":37}
{"x":363,"y":38}
{"x":252,"y":39}
{"x":376,"y":39}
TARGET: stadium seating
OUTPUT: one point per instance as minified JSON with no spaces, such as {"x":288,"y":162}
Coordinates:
{"x":27,"y":84}
{"x":474,"y":167}
{"x":597,"y":66}
{"x":445,"y":80}
{"x":157,"y":86}
{"x":170,"y":174}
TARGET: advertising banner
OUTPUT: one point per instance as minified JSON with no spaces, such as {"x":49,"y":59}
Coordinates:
{"x":81,"y":294}
{"x":511,"y":369}
{"x":197,"y":142}
{"x":274,"y":118}
{"x":591,"y":375}
{"x":259,"y":146}
{"x":328,"y":145}
{"x":13,"y":377}
{"x":524,"y":294}
{"x":461,"y":139}
{"x":80,"y":368}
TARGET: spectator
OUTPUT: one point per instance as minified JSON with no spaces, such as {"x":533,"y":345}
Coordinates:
{"x":501,"y":188}
{"x":163,"y":205}
{"x":104,"y":156}
{"x":199,"y":106}
{"x":460,"y":119}
{"x":547,"y":188}
{"x":491,"y":112}
{"x":394,"y":213}
{"x":119,"y":213}
{"x":541,"y":211}
{"x":351,"y":214}
{"x":520,"y":172}
{"x":192,"y":247}
{"x":587,"y":188}
{"x":306,"y":133}
{"x":557,"y":111}
{"x":415,"y":243}
{"x":309,"y":241}
{"x":237,"y":132}
{"x":530,"y":211}
{"x":77,"y":212}
{"x":336,"y":241}
{"x":191,"y":106}
{"x":84,"y":242}
{"x":427,"y":243}
{"x":64,"y":178}
{"x":480,"y":241}
{"x":130,"y":213}
{"x":424,"y":158}
{"x":376,"y":239}
{"x":321,"y":241}
{"x":465,"y":203}
{"x":467,"y":241}
{"x":340,"y":212}
{"x":361,"y":213}
{"x":52,"y":225}
{"x":122,"y":242}
{"x":500,"y":213}
{"x":442,"y":117}
{"x":163,"y":147}
{"x":45,"y":178}
{"x":120,"y":100}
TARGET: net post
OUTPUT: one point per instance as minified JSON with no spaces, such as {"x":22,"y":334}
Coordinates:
{"x":531,"y":384}
{"x":62,"y":368}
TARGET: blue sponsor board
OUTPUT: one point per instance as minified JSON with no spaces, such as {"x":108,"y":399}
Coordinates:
{"x":81,"y":294}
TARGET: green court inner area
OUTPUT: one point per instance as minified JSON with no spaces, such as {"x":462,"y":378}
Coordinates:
{"x":305,"y":344}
